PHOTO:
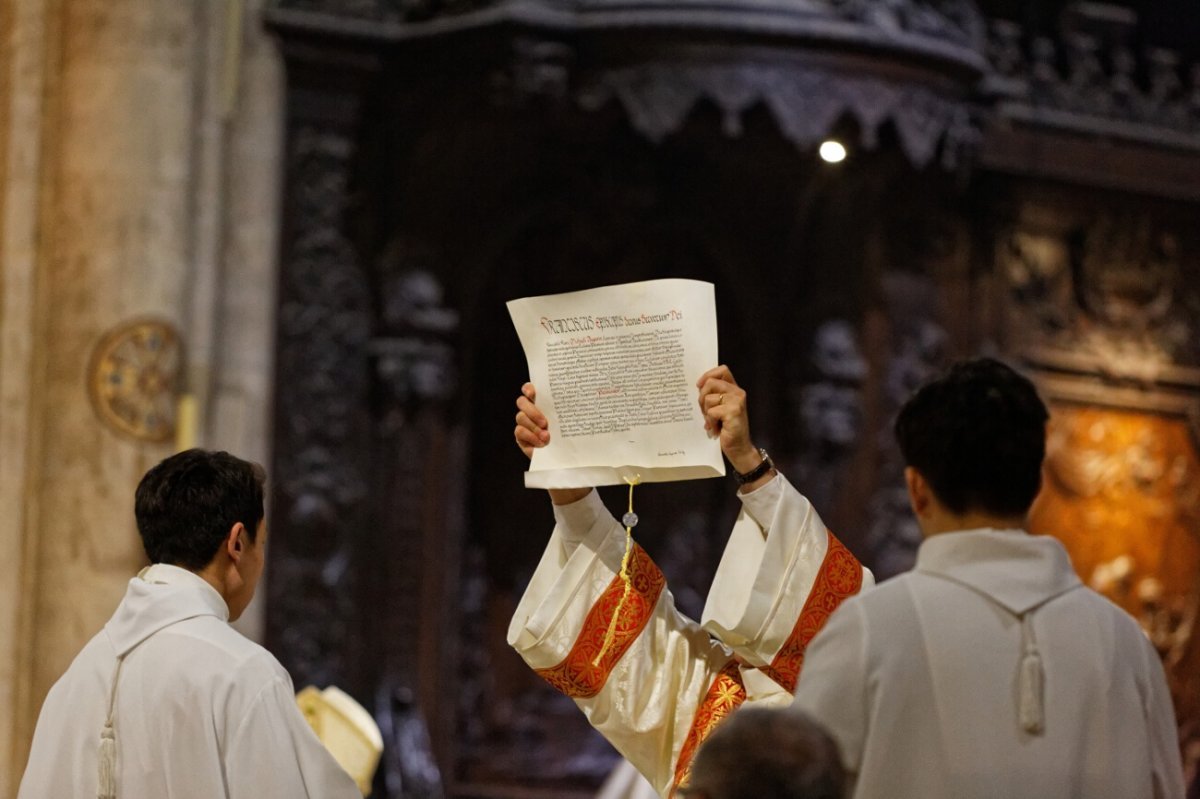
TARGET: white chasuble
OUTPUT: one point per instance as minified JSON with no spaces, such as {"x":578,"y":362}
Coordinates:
{"x":656,"y":683}
{"x":990,"y":672}
{"x":199,"y":711}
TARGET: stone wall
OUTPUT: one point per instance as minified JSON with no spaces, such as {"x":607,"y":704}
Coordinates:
{"x":138,"y":178}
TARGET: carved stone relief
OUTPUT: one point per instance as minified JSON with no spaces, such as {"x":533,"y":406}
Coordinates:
{"x":537,"y":69}
{"x":957,"y":21}
{"x":828,"y":409}
{"x":942,"y":25}
{"x":658,"y":88}
{"x":920,"y":349}
{"x":925,"y":256}
{"x":1105,"y":296}
{"x":1122,"y":491}
{"x":415,"y":360}
{"x":806,"y":102}
{"x":414,"y":356}
{"x":407,"y":770}
{"x":1091,"y":81}
{"x":1099,"y":308}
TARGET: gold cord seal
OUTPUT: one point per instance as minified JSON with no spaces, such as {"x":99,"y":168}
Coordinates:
{"x":630,"y":520}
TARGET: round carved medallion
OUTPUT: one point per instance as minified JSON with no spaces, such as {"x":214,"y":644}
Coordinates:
{"x":133,"y":379}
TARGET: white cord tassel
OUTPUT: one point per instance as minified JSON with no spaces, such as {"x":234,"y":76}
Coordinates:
{"x":1031,"y":710}
{"x":108,"y":763}
{"x":107,"y":758}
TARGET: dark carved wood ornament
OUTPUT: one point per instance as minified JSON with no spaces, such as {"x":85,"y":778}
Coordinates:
{"x":1014,"y":187}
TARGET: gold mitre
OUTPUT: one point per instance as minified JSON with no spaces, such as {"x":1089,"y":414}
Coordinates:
{"x":347,"y":731}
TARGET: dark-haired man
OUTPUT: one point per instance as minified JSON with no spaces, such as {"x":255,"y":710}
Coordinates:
{"x":767,"y":753}
{"x":989,"y":670}
{"x":168,"y":700}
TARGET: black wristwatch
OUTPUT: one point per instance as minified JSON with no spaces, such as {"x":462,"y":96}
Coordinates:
{"x":757,"y":472}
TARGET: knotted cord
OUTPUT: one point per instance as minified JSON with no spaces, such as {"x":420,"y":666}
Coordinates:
{"x":630,"y":521}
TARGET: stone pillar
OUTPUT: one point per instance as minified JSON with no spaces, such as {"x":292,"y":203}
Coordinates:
{"x":24,"y":26}
{"x":138,"y":151}
{"x":113,"y":217}
{"x":242,"y":362}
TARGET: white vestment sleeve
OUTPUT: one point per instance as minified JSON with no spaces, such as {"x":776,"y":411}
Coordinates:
{"x":779,"y":555}
{"x":655,"y":683}
{"x":274,"y":754}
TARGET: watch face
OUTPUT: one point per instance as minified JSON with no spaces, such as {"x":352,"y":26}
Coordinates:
{"x":133,"y":379}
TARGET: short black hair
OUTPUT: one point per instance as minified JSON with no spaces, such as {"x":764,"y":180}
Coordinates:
{"x":977,"y":434}
{"x":186,"y":505}
{"x":767,"y":753}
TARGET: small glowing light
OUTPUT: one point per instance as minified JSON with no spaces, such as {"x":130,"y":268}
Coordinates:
{"x":832,"y":151}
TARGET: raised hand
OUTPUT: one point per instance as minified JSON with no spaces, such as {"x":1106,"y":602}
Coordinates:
{"x":532,"y":426}
{"x":723,"y":403}
{"x":533,"y":431}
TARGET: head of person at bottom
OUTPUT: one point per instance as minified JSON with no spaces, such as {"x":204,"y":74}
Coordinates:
{"x":203,"y":511}
{"x":766,"y":753}
{"x":973,"y":441}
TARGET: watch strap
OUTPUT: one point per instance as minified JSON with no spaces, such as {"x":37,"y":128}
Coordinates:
{"x":758,"y":471}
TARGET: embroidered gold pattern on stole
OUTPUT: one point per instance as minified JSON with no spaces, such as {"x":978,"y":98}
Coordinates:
{"x":577,"y":676}
{"x":724,"y":696}
{"x":840,"y":577}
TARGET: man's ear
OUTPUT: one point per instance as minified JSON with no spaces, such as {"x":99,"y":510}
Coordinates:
{"x":235,"y":542}
{"x":919,"y":494}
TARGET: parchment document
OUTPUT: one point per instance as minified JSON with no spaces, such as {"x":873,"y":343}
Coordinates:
{"x":615,"y":370}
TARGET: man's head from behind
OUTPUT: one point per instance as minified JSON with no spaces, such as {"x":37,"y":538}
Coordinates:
{"x":767,"y":753}
{"x":203,"y":511}
{"x":973,"y":440}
